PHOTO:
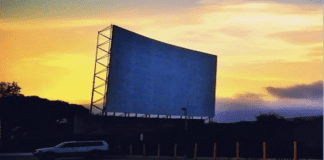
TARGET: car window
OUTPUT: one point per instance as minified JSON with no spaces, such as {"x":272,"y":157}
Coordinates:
{"x":66,"y":145}
{"x":81,"y":144}
{"x":89,"y":144}
{"x":95,"y":143}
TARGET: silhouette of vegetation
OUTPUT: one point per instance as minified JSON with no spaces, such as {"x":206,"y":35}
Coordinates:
{"x":269,"y":118}
{"x":27,"y":121}
{"x":9,"y":89}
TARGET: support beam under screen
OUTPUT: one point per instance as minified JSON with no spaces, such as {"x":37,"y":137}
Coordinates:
{"x":101,"y":71}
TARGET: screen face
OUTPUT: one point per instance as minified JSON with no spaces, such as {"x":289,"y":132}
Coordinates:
{"x":151,"y":77}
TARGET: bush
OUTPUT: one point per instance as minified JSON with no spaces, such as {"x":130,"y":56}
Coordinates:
{"x":270,"y":117}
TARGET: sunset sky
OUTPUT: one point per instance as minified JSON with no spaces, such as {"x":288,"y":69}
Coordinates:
{"x":270,"y":53}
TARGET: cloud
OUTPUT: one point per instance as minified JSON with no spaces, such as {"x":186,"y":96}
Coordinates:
{"x":242,"y":102}
{"x":246,"y":106}
{"x":318,"y":2}
{"x":293,"y":7}
{"x":243,"y":107}
{"x":300,"y":37}
{"x":236,"y":31}
{"x":310,"y":91}
{"x":315,"y":52}
{"x":58,"y":59}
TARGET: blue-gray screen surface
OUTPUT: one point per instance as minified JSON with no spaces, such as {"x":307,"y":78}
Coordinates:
{"x":152,"y":77}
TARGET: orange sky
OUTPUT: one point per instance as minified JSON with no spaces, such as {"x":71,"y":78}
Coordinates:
{"x":49,"y":48}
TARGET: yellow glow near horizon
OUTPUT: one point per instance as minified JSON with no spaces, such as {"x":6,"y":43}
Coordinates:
{"x":257,"y":44}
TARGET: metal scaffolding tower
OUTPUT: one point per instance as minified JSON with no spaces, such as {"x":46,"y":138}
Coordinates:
{"x":101,"y":70}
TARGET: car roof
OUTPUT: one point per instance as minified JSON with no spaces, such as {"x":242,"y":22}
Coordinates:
{"x":82,"y":141}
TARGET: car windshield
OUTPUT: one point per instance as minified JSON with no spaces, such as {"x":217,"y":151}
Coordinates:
{"x":59,"y":145}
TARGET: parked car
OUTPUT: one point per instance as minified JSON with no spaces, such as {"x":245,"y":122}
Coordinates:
{"x":88,"y":149}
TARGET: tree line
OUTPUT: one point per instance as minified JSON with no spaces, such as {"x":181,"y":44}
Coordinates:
{"x":9,"y":89}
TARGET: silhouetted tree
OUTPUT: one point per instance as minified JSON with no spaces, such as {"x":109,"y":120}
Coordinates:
{"x":270,"y":117}
{"x":32,"y":119}
{"x":9,"y":89}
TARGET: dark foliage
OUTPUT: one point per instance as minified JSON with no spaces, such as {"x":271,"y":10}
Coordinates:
{"x":33,"y":105}
{"x":28,"y":120}
{"x":269,"y":118}
{"x":9,"y":89}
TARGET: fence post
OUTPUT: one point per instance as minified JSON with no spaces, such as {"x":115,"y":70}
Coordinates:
{"x":175,"y":150}
{"x":144,"y":149}
{"x":295,"y":150}
{"x":214,"y":151}
{"x":237,"y":151}
{"x":196,"y":148}
{"x":159,"y":150}
{"x":131,"y":150}
{"x":264,"y":150}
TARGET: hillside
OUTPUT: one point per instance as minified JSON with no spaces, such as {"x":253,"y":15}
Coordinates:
{"x":25,"y":119}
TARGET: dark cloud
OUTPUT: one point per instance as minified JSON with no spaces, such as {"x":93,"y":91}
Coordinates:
{"x":246,"y":102}
{"x":310,"y":91}
{"x":248,"y":97}
{"x":243,"y":108}
{"x":246,"y":106}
